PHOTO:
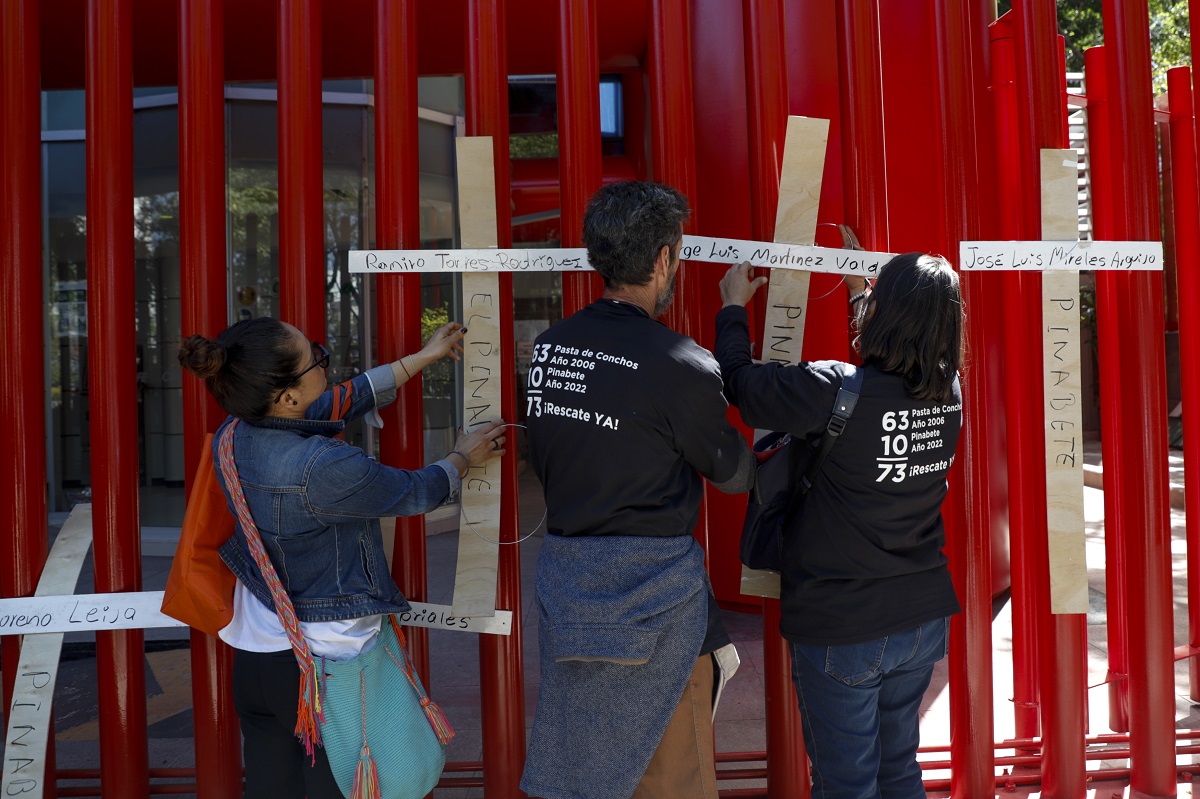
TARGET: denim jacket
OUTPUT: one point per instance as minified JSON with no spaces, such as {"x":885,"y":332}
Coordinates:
{"x":317,"y":502}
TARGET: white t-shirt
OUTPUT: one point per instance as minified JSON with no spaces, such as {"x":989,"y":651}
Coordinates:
{"x":256,"y":628}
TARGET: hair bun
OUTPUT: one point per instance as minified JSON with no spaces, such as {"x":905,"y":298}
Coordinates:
{"x":202,"y":356}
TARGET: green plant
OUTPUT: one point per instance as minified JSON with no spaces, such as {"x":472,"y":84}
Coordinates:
{"x":437,"y":377}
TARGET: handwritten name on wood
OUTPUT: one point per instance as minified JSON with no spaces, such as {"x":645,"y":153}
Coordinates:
{"x":808,"y":258}
{"x":470,"y":260}
{"x":1071,"y":256}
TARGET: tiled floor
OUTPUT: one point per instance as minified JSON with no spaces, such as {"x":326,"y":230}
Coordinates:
{"x":455,"y":679}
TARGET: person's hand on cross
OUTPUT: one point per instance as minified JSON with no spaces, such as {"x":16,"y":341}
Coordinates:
{"x":737,"y":286}
{"x":445,"y":341}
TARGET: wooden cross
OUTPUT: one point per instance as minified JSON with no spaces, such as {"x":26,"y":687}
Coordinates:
{"x":791,"y":265}
{"x":1059,"y":257}
{"x":791,"y":257}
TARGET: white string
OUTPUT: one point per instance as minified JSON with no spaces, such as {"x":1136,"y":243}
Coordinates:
{"x":471,"y":527}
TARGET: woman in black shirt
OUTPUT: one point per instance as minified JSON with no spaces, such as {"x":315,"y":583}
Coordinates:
{"x":866,"y":592}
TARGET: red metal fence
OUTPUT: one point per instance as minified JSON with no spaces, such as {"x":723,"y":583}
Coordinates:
{"x":957,"y":160}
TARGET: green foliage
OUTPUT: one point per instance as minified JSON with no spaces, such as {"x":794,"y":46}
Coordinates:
{"x":437,"y":377}
{"x":534,"y":145}
{"x":1081,"y":22}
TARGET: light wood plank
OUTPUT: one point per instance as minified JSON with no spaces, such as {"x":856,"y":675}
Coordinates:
{"x":795,"y":223}
{"x":787,"y":291}
{"x":479,"y":521}
{"x":1063,"y":392}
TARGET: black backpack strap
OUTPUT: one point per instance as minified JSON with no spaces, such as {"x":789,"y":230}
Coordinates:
{"x":843,"y":408}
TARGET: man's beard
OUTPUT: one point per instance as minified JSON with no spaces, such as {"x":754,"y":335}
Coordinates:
{"x":666,"y":296}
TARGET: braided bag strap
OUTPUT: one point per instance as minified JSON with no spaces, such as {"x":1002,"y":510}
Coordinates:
{"x":309,"y":714}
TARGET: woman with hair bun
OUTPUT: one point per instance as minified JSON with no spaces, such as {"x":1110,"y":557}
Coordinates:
{"x":866,"y":595}
{"x":316,"y":502}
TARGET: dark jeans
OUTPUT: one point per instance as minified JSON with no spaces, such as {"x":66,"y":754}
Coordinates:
{"x":265,"y":689}
{"x":859,"y":704}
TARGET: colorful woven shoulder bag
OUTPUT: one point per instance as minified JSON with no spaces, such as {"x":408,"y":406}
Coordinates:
{"x":384,"y":737}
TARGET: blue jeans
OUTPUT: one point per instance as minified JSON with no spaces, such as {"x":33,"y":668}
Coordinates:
{"x":859,"y":704}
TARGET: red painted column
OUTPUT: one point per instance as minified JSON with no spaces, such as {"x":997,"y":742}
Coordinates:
{"x":1062,"y":638}
{"x":1142,"y":353}
{"x":673,"y":142}
{"x":766,"y":116}
{"x":205,"y":309}
{"x":501,"y":661}
{"x":112,"y":388}
{"x":1187,"y":242}
{"x":968,"y":514}
{"x":1187,"y":251}
{"x":301,"y":201}
{"x":398,"y":226}
{"x":580,"y":168}
{"x":1023,"y":518}
{"x":767,"y":109}
{"x":22,"y":307}
{"x":1108,"y":343}
{"x":863,"y":167}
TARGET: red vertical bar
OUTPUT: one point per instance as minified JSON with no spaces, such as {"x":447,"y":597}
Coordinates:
{"x":112,"y":388}
{"x":580,"y":167}
{"x":501,"y":662}
{"x":1187,"y":250}
{"x":766,"y":116}
{"x":301,"y":203}
{"x":969,"y":529}
{"x":1108,"y":343}
{"x":1142,"y":351}
{"x":205,"y":310}
{"x":23,"y":494}
{"x":398,"y":226}
{"x":1062,"y":639}
{"x":1023,"y":517}
{"x":863,"y":168}
{"x":22,"y":307}
{"x":673,"y":139}
{"x":767,"y":108}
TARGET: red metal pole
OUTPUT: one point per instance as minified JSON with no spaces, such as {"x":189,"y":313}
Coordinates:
{"x":398,"y":226}
{"x":673,"y":141}
{"x":22,"y":307}
{"x":1142,"y":354}
{"x":301,"y":200}
{"x":112,"y":388}
{"x":501,"y":662}
{"x":1187,"y":250}
{"x":766,"y":115}
{"x":863,"y":164}
{"x":969,"y":528}
{"x":580,"y":167}
{"x":205,"y":309}
{"x":1108,"y":343}
{"x":1023,"y":517}
{"x":767,"y":108}
{"x":1138,"y":304}
{"x":1062,"y":638}
{"x":23,"y":496}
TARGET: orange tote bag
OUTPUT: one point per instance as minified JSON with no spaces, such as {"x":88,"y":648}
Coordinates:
{"x":200,"y":586}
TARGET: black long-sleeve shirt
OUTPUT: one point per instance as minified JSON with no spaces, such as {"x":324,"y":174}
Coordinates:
{"x":624,"y":417}
{"x":863,"y":554}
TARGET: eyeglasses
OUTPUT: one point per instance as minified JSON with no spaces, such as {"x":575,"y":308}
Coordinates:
{"x":320,"y":360}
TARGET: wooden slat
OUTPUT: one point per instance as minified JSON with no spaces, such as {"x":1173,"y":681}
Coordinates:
{"x":1063,"y":392}
{"x":787,"y":292}
{"x":479,"y":523}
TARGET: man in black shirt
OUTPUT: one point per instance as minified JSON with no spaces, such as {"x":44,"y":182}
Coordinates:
{"x":625,"y":416}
